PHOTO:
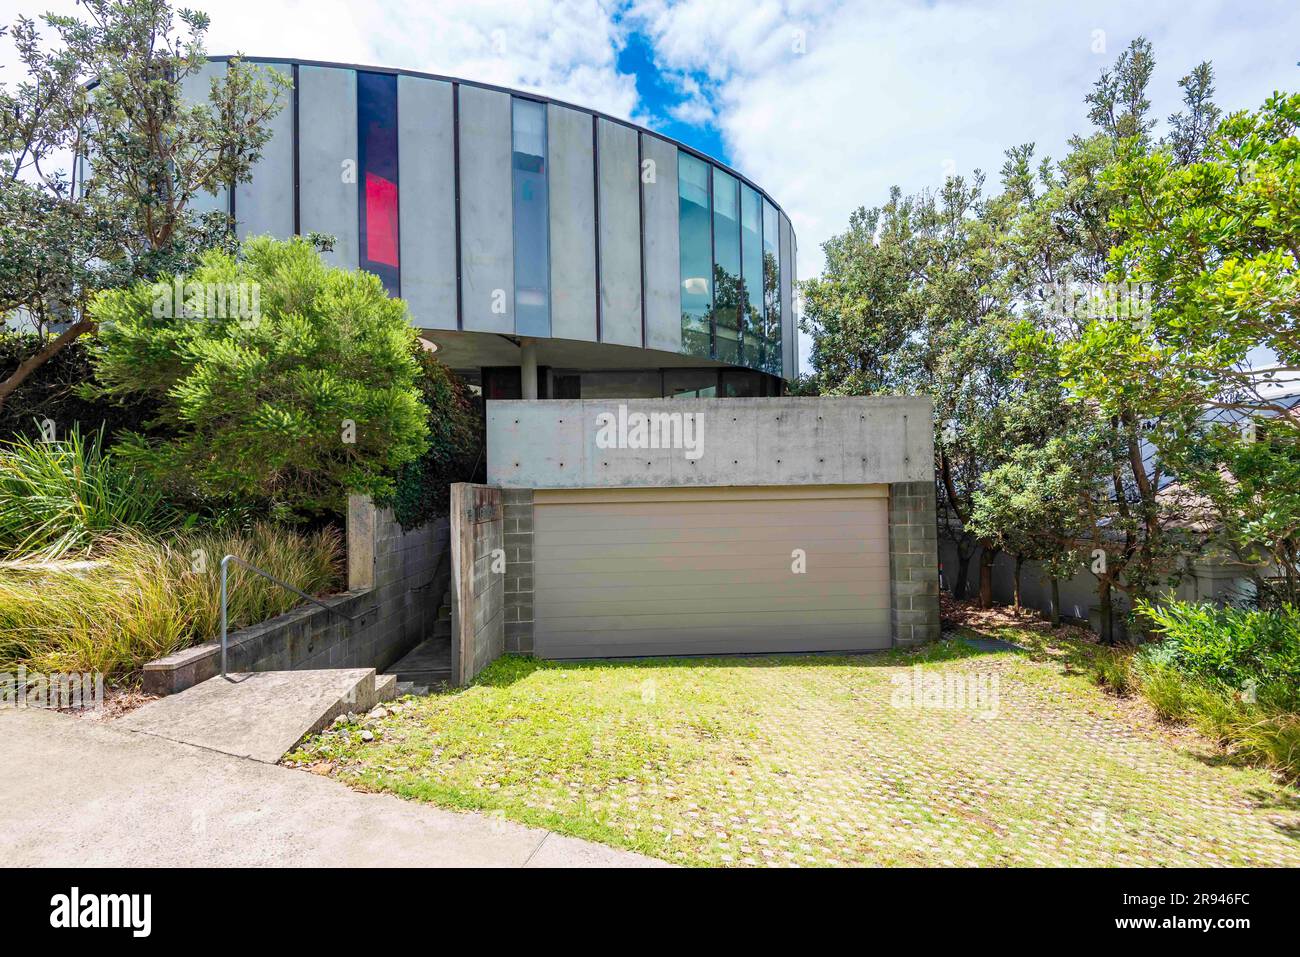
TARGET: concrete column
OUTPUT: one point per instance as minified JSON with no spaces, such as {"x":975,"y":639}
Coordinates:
{"x":361,"y":542}
{"x":528,"y":368}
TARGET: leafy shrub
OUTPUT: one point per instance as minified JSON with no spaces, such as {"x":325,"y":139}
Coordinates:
{"x":1232,"y":647}
{"x":310,"y":397}
{"x":56,"y":497}
{"x":146,"y":598}
{"x":455,"y":419}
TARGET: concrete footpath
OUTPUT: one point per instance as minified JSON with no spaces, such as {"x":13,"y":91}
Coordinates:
{"x":76,"y":793}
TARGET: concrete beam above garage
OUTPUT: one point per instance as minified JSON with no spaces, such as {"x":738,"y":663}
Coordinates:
{"x":727,"y":442}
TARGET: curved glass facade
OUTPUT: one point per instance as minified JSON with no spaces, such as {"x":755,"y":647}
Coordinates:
{"x":729,"y":240}
{"x":532,"y":256}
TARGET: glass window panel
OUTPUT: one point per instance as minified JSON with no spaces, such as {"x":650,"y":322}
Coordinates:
{"x":771,"y":289}
{"x":752,"y":333}
{"x":726,"y":267}
{"x":696,"y":244}
{"x":377,"y":148}
{"x":532,"y":253}
{"x":690,"y":383}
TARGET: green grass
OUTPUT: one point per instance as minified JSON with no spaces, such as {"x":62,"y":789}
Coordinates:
{"x":143,"y":598}
{"x":812,"y":761}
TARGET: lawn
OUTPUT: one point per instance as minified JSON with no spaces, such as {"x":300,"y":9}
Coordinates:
{"x":827,"y":761}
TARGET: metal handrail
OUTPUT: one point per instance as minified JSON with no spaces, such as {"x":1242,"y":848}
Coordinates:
{"x":225,"y":562}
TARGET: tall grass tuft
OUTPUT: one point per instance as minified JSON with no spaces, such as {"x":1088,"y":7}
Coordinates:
{"x":143,"y":597}
{"x":57,"y":498}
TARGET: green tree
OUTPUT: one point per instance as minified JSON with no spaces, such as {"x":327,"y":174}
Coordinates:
{"x":308,"y":395}
{"x":109,"y":89}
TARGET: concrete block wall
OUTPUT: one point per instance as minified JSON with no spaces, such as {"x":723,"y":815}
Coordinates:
{"x":518,"y":518}
{"x":913,"y":563}
{"x":478,"y":609}
{"x":369,"y":626}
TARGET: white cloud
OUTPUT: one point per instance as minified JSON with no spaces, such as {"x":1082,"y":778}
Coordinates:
{"x":900,"y":92}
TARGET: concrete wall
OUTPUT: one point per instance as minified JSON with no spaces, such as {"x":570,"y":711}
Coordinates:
{"x":396,"y":579}
{"x":619,"y":197}
{"x":427,"y":194}
{"x":264,"y":206}
{"x":478,"y":580}
{"x":790,"y":441}
{"x":486,"y":214}
{"x":328,"y":165}
{"x":662,"y":260}
{"x":913,"y":563}
{"x":571,"y":180}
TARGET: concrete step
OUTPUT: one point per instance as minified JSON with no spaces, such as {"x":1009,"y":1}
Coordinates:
{"x":428,"y":663}
{"x":261,"y":715}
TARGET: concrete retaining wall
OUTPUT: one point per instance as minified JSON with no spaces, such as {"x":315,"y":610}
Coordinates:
{"x":396,"y":579}
{"x":478,"y":580}
{"x":913,"y":563}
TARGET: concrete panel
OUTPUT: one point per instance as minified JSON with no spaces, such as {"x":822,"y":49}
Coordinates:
{"x":264,"y":206}
{"x":196,"y":88}
{"x":486,"y":222}
{"x":787,"y":307}
{"x":427,"y":193}
{"x":663,"y":288}
{"x":620,"y":234}
{"x":327,"y":159}
{"x":573,"y":224}
{"x":792,"y":441}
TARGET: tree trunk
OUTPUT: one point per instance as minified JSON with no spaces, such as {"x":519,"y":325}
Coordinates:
{"x":987,"y":556}
{"x":1015,"y":584}
{"x":46,"y":353}
{"x":1107,"y":633}
{"x":1056,"y":602}
{"x":964,"y":556}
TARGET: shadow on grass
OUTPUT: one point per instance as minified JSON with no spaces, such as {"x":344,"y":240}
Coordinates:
{"x":509,"y":669}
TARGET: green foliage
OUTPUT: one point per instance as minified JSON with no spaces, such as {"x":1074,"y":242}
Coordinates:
{"x":422,"y":489}
{"x":1232,"y":647}
{"x":56,"y":395}
{"x":145,"y":598}
{"x":1112,"y":668}
{"x":312,"y":398}
{"x":108,"y":84}
{"x":57,"y":497}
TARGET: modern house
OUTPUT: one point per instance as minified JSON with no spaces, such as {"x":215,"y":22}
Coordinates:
{"x":546,"y":250}
{"x":625,"y":304}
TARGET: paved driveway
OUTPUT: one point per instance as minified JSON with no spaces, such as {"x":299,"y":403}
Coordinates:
{"x":75,"y":793}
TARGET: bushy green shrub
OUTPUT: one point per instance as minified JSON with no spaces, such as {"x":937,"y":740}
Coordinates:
{"x":57,"y":497}
{"x":308,"y":397}
{"x":1233,"y":647}
{"x":455,"y":451}
{"x":146,"y":597}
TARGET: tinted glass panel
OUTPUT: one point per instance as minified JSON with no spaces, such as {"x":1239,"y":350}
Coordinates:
{"x":377,"y":148}
{"x":532,"y":258}
{"x":752,"y":334}
{"x":696,"y":253}
{"x":771,"y":289}
{"x":726,"y":267}
{"x":690,"y":383}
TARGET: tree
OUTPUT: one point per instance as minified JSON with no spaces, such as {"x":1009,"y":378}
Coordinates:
{"x":1027,"y":506}
{"x":305,"y":391}
{"x":905,"y":304}
{"x":109,"y":90}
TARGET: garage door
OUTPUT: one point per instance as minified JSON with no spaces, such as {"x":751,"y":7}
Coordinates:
{"x":710,"y":571}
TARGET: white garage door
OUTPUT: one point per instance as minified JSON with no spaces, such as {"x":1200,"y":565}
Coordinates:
{"x":710,"y":571}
